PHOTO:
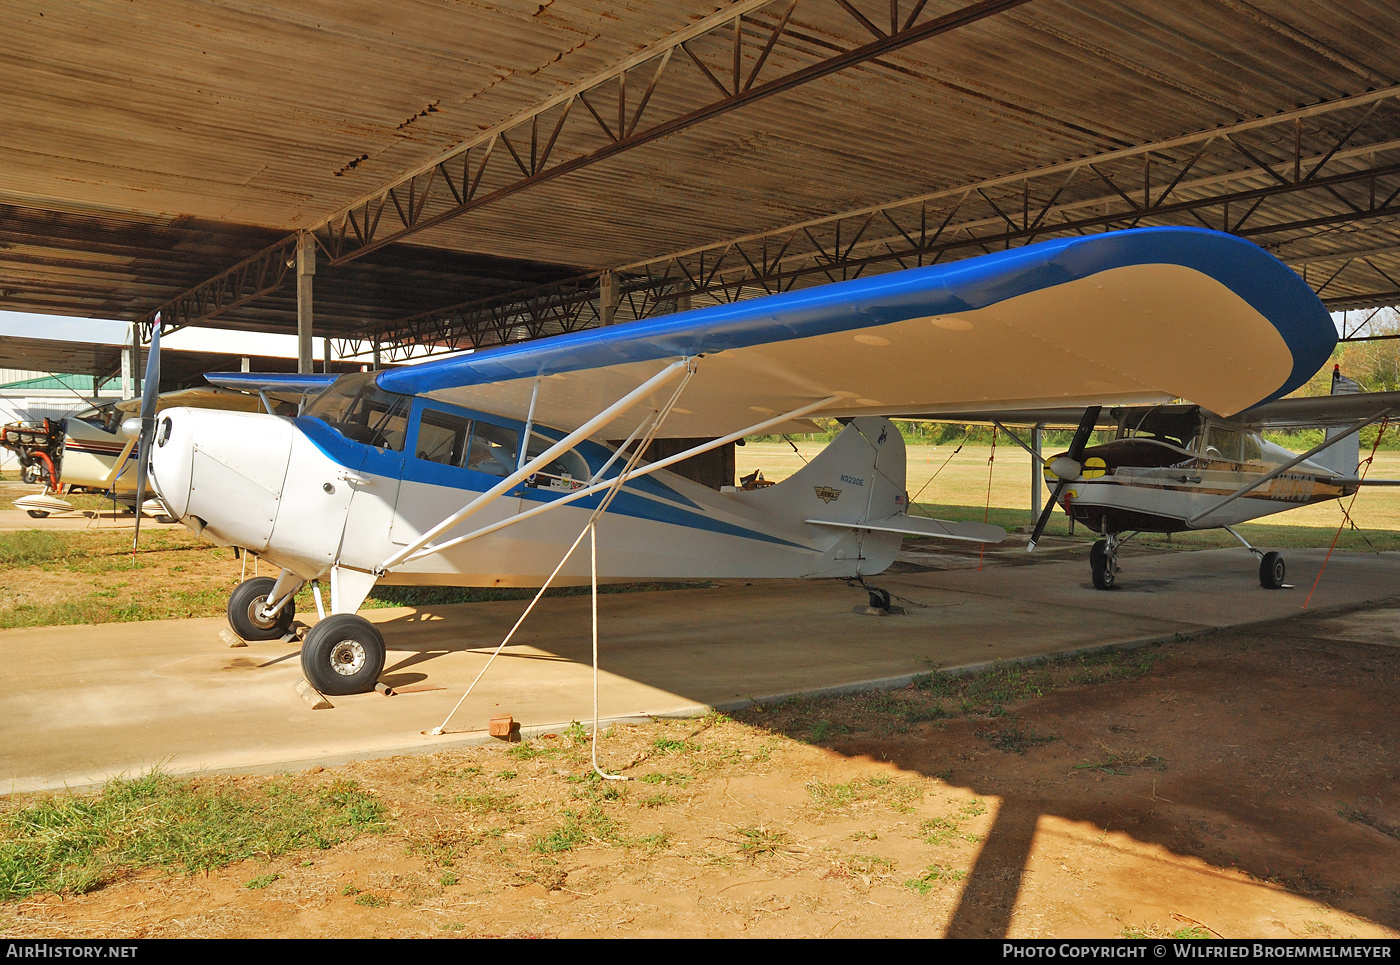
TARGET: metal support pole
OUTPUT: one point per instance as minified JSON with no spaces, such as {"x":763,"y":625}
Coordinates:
{"x":306,"y":271}
{"x":325,"y":355}
{"x":376,"y":356}
{"x":136,"y":366}
{"x":1037,"y":474}
{"x":607,"y":298}
{"x":129,"y":367}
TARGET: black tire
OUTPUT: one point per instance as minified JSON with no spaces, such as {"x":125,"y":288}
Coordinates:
{"x":879,"y":599}
{"x":37,"y":513}
{"x":343,"y":654}
{"x":1271,"y":571}
{"x":1104,"y":575}
{"x":1098,"y":551}
{"x":245,"y":608}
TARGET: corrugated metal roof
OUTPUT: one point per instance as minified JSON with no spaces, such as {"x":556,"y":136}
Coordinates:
{"x":145,"y":146}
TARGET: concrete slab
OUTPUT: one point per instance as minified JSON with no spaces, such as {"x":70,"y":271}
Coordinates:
{"x":83,"y":704}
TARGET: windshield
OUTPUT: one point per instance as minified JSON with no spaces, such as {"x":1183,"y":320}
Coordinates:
{"x":357,"y":408}
{"x":104,"y":417}
{"x":1175,"y":425}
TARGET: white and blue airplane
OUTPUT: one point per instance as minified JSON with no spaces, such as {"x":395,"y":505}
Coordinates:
{"x":482,"y":470}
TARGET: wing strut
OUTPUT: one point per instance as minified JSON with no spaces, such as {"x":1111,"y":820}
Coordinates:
{"x":1193,"y":520}
{"x":658,"y":417}
{"x":594,"y":486}
{"x":684,"y":366}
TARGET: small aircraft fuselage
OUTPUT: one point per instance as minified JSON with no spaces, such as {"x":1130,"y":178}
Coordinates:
{"x":1169,"y":463}
{"x":365,"y":472}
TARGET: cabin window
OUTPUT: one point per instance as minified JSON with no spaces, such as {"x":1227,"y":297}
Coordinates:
{"x":1177,"y":426}
{"x":493,"y":449}
{"x":1223,"y":443}
{"x":566,"y":471}
{"x":357,"y":408}
{"x":104,"y":417}
{"x":442,"y":437}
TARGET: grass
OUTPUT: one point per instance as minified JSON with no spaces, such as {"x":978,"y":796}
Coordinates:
{"x":958,"y":490}
{"x":70,"y":844}
{"x":1013,"y":740}
{"x":897,"y":795}
{"x":933,"y":876}
{"x":755,"y":841}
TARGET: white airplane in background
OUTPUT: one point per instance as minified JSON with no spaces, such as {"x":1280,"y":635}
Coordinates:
{"x":1175,"y":468}
{"x":484,"y":469}
{"x":89,"y":449}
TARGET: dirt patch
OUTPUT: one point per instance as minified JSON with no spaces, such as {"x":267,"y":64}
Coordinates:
{"x":1240,"y":785}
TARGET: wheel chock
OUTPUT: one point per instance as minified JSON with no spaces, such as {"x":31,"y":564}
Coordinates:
{"x":312,"y":696}
{"x":874,"y":611}
{"x":231,"y":638}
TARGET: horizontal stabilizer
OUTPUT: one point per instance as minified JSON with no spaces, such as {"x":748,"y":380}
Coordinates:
{"x":924,"y":526}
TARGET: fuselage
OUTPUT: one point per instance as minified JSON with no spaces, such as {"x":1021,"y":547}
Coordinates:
{"x":366,"y":473}
{"x":1170,"y":463}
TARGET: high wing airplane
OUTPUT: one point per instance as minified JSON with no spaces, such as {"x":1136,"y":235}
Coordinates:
{"x":1175,"y":468}
{"x":89,"y":449}
{"x":480,"y":469}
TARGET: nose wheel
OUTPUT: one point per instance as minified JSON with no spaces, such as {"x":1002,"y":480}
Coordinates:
{"x":343,"y":654}
{"x":1103,"y":563}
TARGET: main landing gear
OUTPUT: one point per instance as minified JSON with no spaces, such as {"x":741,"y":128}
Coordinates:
{"x":343,"y":654}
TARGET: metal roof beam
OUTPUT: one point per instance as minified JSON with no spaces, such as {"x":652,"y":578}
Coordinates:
{"x":495,"y":164}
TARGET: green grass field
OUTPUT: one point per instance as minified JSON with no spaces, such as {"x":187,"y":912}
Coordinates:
{"x":955,"y":485}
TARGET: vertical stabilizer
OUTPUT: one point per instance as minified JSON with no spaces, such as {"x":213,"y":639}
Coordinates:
{"x":1344,"y":457}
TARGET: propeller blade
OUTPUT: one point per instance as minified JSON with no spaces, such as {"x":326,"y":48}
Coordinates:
{"x":1045,"y":515}
{"x":149,"y":394}
{"x":1076,"y":453}
{"x":1081,"y":435}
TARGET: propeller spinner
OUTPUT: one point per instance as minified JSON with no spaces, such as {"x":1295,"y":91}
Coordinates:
{"x":1066,"y":468}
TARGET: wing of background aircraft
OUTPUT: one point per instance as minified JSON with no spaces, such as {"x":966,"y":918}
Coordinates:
{"x":1319,"y":411}
{"x":1140,"y":316}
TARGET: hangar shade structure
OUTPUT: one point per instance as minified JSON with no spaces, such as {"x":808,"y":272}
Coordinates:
{"x":476,"y":175}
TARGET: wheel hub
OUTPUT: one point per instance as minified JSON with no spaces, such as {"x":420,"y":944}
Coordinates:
{"x":259,"y":613}
{"x":347,"y":657}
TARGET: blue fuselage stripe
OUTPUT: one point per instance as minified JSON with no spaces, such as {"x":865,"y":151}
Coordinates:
{"x":388,"y":464}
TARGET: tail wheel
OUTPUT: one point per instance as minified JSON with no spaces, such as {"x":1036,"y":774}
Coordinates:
{"x":343,"y":654}
{"x":247,"y":611}
{"x":1271,"y":571}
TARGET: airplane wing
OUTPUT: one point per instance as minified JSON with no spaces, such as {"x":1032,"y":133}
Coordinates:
{"x":1126,"y":317}
{"x":302,"y":382}
{"x":1319,"y":411}
{"x":196,"y":399}
{"x":1055,"y":417}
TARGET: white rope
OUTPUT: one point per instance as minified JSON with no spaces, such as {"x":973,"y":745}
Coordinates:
{"x":658,"y":417}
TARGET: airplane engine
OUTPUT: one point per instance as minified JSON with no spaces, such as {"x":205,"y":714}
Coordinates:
{"x":223,"y":472}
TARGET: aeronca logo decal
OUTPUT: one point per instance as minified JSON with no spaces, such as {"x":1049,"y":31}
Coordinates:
{"x":826,"y":494}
